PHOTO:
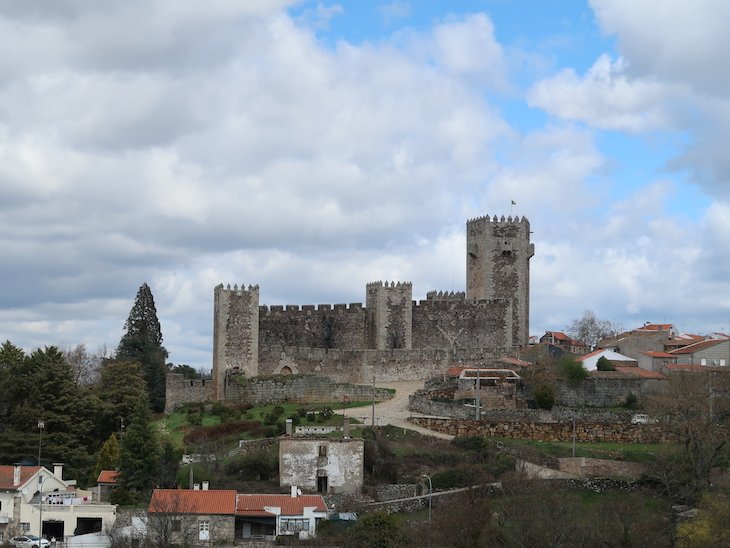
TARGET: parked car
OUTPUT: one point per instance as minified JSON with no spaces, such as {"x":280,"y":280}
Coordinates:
{"x":641,"y":418}
{"x":29,"y":541}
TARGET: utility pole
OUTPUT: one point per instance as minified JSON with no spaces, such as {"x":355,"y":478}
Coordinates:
{"x":41,"y":426}
{"x":430,"y":492}
{"x":373,"y":409}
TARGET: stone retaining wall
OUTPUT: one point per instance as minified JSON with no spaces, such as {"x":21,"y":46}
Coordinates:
{"x":549,"y":431}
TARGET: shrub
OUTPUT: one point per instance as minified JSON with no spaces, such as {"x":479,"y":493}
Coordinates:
{"x":544,"y":396}
{"x":572,"y":370}
{"x":277,"y":411}
{"x":604,"y":364}
{"x":454,"y":477}
{"x":327,"y":412}
{"x":311,"y":416}
{"x":302,"y":412}
{"x":254,"y":466}
{"x":632,"y":401}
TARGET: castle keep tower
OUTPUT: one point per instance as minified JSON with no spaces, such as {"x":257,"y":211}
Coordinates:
{"x":235,"y":333}
{"x":498,"y":267}
{"x":389,"y":315}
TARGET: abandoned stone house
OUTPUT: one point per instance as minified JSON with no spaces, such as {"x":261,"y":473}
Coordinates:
{"x":392,"y":337}
{"x":322,"y":465}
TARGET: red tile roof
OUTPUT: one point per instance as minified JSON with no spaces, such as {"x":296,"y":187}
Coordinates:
{"x":108,"y":476}
{"x":255,"y":505}
{"x":190,"y":501}
{"x":694,"y":347}
{"x":454,"y":371}
{"x":515,"y":361}
{"x":6,"y":475}
{"x":659,"y":354}
{"x":656,"y":327}
{"x":687,"y":367}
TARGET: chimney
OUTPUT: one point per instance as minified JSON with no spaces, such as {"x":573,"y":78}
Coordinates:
{"x":346,"y":427}
{"x":289,"y":427}
{"x":196,"y":487}
{"x":16,"y":474}
{"x":293,"y":491}
{"x":58,"y":470}
{"x":205,"y":485}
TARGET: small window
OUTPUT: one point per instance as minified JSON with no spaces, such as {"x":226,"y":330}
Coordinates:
{"x":176,"y":525}
{"x":322,"y":450}
{"x":24,"y":527}
{"x":722,"y":361}
{"x":703,"y":361}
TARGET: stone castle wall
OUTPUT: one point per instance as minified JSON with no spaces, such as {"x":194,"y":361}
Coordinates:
{"x":264,"y":390}
{"x":324,"y":326}
{"x":362,"y":365}
{"x":392,"y":337}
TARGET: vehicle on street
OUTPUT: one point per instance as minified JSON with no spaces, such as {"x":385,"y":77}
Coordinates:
{"x":29,"y":541}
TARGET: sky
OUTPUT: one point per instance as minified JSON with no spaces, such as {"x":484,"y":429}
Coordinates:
{"x":311,"y":147}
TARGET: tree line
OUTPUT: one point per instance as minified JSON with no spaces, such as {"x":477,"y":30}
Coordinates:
{"x":96,"y":410}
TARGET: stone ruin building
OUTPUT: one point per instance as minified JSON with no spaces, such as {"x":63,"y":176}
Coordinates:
{"x":392,"y":337}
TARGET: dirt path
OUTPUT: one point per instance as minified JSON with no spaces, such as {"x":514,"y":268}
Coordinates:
{"x":395,"y":411}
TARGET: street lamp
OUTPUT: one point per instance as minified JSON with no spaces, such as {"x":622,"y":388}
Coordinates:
{"x":41,"y":481}
{"x":430,"y":492}
{"x":41,"y":426}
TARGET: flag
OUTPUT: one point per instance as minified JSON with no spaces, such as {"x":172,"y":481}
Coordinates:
{"x":514,"y":203}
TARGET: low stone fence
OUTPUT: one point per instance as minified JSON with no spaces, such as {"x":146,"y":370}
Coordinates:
{"x":396,"y":491}
{"x":421,"y":402}
{"x":550,"y":431}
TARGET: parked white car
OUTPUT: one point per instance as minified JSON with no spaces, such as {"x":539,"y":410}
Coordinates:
{"x":641,"y":418}
{"x":29,"y":541}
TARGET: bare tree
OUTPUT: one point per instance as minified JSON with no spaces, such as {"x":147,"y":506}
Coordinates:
{"x":695,"y":408}
{"x":170,"y":521}
{"x":590,"y":329}
{"x":85,"y":365}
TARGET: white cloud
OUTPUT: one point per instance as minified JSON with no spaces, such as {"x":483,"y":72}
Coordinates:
{"x":604,"y":98}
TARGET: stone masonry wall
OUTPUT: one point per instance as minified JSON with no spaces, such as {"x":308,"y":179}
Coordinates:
{"x":549,"y":431}
{"x":462,"y":324}
{"x":389,"y":320}
{"x":604,"y":392}
{"x":326,"y":326}
{"x":262,"y":390}
{"x":298,"y":388}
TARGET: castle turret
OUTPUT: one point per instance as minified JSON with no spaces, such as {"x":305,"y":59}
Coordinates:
{"x":498,"y":267}
{"x":389,"y":315}
{"x":235,"y":333}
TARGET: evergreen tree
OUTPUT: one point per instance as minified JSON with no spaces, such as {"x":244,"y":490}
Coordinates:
{"x":168,"y":466}
{"x":142,"y":342}
{"x":120,"y":387}
{"x":139,"y":451}
{"x":108,"y":458}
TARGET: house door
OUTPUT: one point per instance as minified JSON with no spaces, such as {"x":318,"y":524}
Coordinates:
{"x":322,"y":484}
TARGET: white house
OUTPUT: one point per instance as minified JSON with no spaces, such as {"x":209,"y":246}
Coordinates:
{"x":65,"y":511}
{"x":590,"y":360}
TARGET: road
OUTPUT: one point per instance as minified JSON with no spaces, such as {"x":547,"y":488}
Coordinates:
{"x":394,"y":411}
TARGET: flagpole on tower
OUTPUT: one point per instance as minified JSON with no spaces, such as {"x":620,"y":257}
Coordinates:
{"x":512,"y":208}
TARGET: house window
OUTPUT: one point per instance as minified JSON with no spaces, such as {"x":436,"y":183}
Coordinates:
{"x":322,"y":450}
{"x":203,"y":530}
{"x":176,"y":525}
{"x":294,"y":525}
{"x":703,"y":361}
{"x":2,"y":539}
{"x":722,"y":361}
{"x":24,"y":527}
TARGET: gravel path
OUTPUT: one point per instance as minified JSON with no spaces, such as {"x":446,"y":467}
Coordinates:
{"x":395,"y":411}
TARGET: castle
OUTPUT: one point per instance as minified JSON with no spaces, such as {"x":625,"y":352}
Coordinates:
{"x":392,"y":337}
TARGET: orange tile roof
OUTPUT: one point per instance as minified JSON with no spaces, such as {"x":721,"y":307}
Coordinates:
{"x":656,"y":327}
{"x":454,"y":371}
{"x":659,"y":354}
{"x":694,"y":347}
{"x":514,"y":361}
{"x":108,"y":476}
{"x":687,"y":367}
{"x":6,"y":475}
{"x":255,"y":505}
{"x":190,"y":501}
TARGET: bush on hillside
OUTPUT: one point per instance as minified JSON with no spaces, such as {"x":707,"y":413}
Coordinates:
{"x":571,"y":370}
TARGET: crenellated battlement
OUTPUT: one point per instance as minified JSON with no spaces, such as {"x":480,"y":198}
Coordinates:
{"x":286,"y":308}
{"x":378,"y":284}
{"x":494,"y":220}
{"x":236,"y":289}
{"x":446,"y":295}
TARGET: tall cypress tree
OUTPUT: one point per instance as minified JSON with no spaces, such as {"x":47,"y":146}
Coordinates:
{"x":139,"y":451}
{"x":142,"y":342}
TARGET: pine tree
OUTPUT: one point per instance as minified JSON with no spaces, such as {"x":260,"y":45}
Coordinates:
{"x":139,"y":451}
{"x":142,"y":342}
{"x":108,"y":458}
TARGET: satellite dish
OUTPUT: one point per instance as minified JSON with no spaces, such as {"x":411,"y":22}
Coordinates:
{"x":299,"y":492}
{"x":24,"y":490}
